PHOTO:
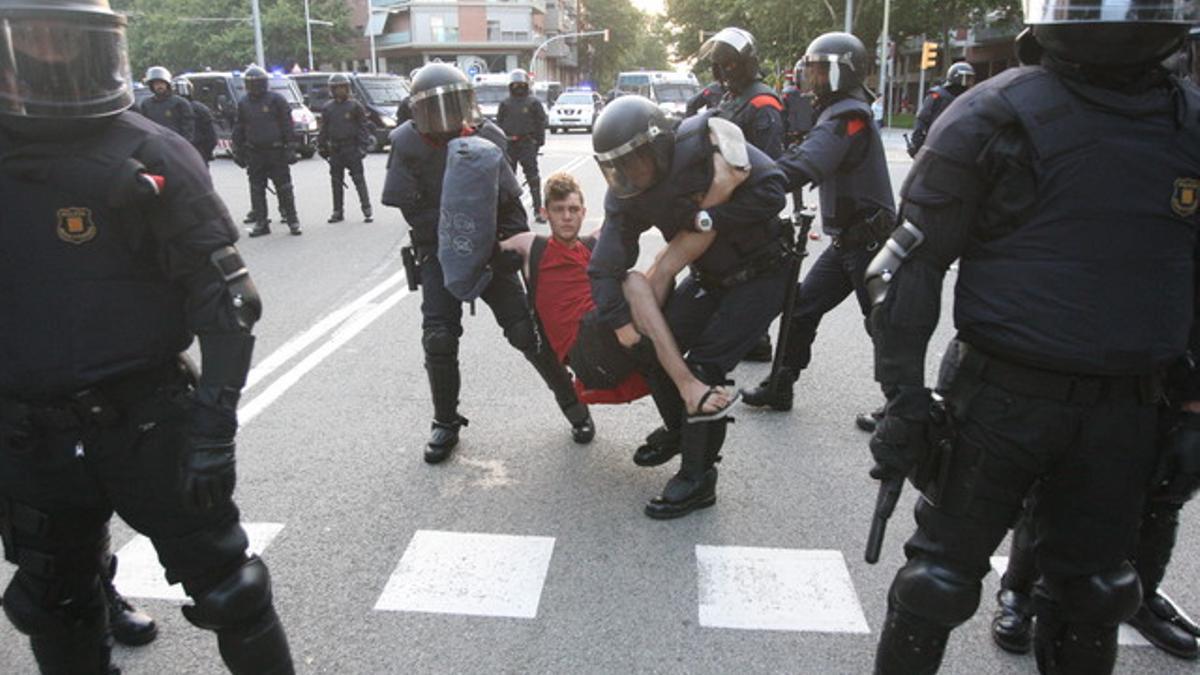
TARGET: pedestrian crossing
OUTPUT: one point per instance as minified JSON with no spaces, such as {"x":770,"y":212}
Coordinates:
{"x":504,"y":575}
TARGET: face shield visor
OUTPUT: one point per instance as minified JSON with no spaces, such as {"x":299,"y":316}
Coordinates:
{"x":446,"y":109}
{"x":634,"y":166}
{"x":727,"y":51}
{"x":55,"y":66}
{"x":819,"y":76}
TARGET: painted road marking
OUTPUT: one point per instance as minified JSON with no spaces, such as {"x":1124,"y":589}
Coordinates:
{"x":140,"y":576}
{"x":469,"y":573}
{"x":777,"y":589}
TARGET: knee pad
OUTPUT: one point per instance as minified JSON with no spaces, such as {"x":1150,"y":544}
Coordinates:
{"x":439,"y":342}
{"x":241,"y":597}
{"x":522,"y":335}
{"x":1105,"y":598}
{"x":935,"y":592}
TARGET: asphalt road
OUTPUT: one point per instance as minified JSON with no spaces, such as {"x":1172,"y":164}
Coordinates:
{"x":383,"y":564}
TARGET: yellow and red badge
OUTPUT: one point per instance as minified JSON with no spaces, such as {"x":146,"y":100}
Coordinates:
{"x":1186,"y":196}
{"x":75,"y":225}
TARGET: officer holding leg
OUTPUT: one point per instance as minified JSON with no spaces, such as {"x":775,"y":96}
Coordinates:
{"x":126,"y":257}
{"x":1064,"y":327}
{"x":444,"y":108}
{"x":343,"y":141}
{"x":264,"y":142}
{"x":843,"y":155}
{"x":523,"y":120}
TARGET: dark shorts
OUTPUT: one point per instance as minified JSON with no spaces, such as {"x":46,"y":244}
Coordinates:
{"x":597,"y":357}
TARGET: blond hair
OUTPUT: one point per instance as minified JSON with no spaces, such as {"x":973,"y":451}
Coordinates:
{"x":560,"y":186}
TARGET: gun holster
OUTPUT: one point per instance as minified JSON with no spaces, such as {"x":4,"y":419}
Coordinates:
{"x":412,"y":267}
{"x":932,"y":471}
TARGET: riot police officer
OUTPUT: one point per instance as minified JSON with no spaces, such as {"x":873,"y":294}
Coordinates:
{"x":343,"y":140}
{"x":660,"y":177}
{"x":264,"y":142}
{"x":708,"y":97}
{"x":165,"y":107}
{"x":1064,"y":325}
{"x":205,"y":138}
{"x":443,"y":108}
{"x":797,"y":122}
{"x":959,"y":78}
{"x":131,"y":259}
{"x":523,"y":120}
{"x":749,"y":103}
{"x":842,"y":154}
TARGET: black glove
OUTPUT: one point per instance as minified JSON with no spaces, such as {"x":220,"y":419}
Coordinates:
{"x":293,"y":154}
{"x":901,"y":438}
{"x":208,"y":463}
{"x":1178,"y":476}
{"x":506,"y":262}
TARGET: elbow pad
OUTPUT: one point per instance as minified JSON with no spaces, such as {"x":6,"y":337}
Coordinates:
{"x":242,"y":294}
{"x":904,"y":240}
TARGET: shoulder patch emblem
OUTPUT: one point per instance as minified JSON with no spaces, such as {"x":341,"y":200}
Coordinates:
{"x":75,"y":225}
{"x":855,"y":125}
{"x":1186,"y":197}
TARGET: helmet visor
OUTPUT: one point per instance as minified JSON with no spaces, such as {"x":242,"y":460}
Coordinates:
{"x":632,"y":168}
{"x":1038,"y":12}
{"x":820,"y":74}
{"x":445,"y":109}
{"x":57,"y":68}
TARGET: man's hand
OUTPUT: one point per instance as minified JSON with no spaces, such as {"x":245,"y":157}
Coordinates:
{"x":628,"y":336}
{"x":901,"y":438}
{"x":208,"y":464}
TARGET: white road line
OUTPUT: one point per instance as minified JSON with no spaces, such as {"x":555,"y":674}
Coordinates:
{"x":345,"y":332}
{"x":302,"y":341}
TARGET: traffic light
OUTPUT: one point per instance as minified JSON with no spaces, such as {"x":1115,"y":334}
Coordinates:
{"x":606,"y":35}
{"x":929,"y":55}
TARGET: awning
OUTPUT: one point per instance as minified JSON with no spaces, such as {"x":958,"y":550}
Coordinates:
{"x":376,"y":23}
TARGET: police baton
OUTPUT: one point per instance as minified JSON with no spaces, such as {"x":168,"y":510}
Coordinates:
{"x":885,"y":504}
{"x":799,"y":252}
{"x":344,"y":186}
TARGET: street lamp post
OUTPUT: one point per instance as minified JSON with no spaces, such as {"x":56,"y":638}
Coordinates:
{"x":308,"y":24}
{"x":563,"y":36}
{"x":258,"y":39}
{"x":884,"y":62}
{"x":371,"y":31}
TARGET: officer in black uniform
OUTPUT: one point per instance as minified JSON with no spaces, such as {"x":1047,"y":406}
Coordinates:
{"x":708,"y":97}
{"x":1065,"y":324}
{"x":749,"y":103}
{"x":798,"y":117}
{"x":165,"y":107}
{"x":343,"y":140}
{"x":205,"y":138}
{"x":655,"y":176}
{"x":843,"y":155}
{"x":959,"y":78}
{"x":443,"y":108}
{"x":115,"y":253}
{"x":523,"y":120}
{"x":265,"y":143}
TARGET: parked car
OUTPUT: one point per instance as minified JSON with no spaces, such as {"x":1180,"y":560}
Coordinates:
{"x":574,"y":110}
{"x":379,"y":94}
{"x":221,"y":92}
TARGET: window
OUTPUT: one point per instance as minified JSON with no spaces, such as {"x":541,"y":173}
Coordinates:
{"x":493,"y":31}
{"x":440,"y":32}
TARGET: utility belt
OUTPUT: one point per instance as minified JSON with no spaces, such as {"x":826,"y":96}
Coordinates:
{"x":101,"y":405}
{"x":767,"y":259}
{"x":1054,"y":386}
{"x":340,"y":145}
{"x":868,"y":232}
{"x":259,"y":147}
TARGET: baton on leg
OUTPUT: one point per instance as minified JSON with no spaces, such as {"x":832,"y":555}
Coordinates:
{"x":885,"y":504}
{"x":802,"y":220}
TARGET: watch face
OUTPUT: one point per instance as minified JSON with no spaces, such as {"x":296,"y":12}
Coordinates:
{"x":704,"y":221}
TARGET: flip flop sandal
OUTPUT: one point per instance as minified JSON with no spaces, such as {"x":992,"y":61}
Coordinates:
{"x":715,"y":414}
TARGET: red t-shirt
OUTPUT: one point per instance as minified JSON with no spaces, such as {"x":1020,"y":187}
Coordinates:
{"x":563,"y":296}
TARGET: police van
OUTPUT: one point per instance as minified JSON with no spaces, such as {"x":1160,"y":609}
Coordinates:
{"x":671,"y":91}
{"x":490,"y":90}
{"x":379,"y":94}
{"x":221,"y":93}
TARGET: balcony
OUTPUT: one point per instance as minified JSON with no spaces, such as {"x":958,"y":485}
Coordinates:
{"x":394,"y":39}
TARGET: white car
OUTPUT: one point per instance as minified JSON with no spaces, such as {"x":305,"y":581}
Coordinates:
{"x":574,"y":110}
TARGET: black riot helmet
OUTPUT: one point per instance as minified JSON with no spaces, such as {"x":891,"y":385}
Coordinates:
{"x":443,"y":100}
{"x":633,"y":141}
{"x":734,"y":57}
{"x":256,"y":80}
{"x":961,"y":75}
{"x":62,"y":59}
{"x":518,"y":83}
{"x":1110,"y":33}
{"x":339,"y":83}
{"x":183,"y":87}
{"x":833,"y":67}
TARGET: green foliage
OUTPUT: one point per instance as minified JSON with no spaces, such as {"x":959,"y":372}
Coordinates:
{"x":635,"y":43}
{"x":161,"y":33}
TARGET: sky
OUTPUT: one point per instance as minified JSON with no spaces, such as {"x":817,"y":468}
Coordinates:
{"x":649,"y":6}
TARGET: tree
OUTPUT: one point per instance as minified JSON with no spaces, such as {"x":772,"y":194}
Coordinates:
{"x":166,"y":33}
{"x":633,"y":44}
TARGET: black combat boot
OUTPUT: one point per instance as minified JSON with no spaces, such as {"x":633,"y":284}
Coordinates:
{"x":778,"y":397}
{"x":251,"y":217}
{"x":1012,"y":625}
{"x":336,"y":217}
{"x":364,"y":197}
{"x":761,"y":353}
{"x":583,"y":429}
{"x":260,"y":228}
{"x":442,"y":439}
{"x":869,"y":420}
{"x":1163,"y":626}
{"x":694,"y":486}
{"x":661,"y":445}
{"x":129,"y":626}
{"x":287,"y":208}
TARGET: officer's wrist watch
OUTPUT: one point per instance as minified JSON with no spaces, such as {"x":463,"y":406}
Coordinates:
{"x":703,"y":222}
